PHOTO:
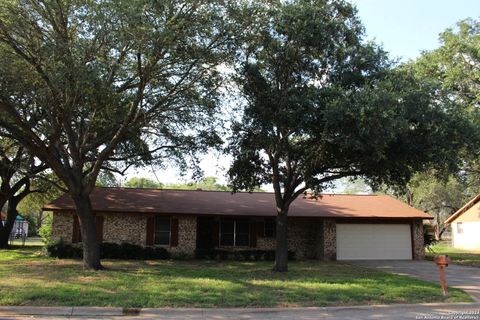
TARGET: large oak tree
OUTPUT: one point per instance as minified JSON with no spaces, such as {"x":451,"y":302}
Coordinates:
{"x":454,"y":70}
{"x":19,"y":170}
{"x":88,"y":85}
{"x":321,"y":104}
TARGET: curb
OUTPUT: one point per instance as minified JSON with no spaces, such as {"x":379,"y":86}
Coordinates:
{"x":60,"y":311}
{"x":129,"y":312}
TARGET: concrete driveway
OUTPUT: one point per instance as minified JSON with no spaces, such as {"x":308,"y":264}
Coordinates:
{"x":465,"y":278}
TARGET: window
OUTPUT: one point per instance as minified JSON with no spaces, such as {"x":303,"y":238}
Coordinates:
{"x":459,"y":227}
{"x":162,"y":230}
{"x":242,"y":233}
{"x":269,"y":228}
{"x":234,"y":232}
{"x":227,"y":232}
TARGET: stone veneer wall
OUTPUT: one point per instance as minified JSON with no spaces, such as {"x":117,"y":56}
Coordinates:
{"x":417,"y":237}
{"x":310,"y":239}
{"x":305,"y":238}
{"x":302,"y":238}
{"x":329,"y":240}
{"x":187,"y":236}
{"x":303,"y":234}
{"x":62,"y":226}
{"x":119,"y":228}
{"x":131,"y":228}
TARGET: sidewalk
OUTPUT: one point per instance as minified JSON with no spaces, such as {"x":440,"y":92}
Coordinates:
{"x":470,"y":311}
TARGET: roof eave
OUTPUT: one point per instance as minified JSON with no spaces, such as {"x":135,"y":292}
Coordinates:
{"x":463,"y":209}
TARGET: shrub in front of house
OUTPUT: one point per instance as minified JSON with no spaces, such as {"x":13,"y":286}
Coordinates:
{"x":59,"y":249}
{"x":62,"y":250}
{"x":240,"y":255}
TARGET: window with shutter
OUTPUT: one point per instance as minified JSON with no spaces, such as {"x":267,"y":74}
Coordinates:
{"x":162,"y":230}
{"x":234,"y":232}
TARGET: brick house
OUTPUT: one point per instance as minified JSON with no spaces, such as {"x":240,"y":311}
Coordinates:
{"x":332,"y":227}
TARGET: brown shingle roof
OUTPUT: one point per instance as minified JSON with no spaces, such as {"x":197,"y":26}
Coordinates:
{"x":126,"y":200}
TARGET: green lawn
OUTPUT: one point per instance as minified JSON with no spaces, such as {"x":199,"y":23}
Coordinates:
{"x":458,"y":256}
{"x":27,"y":278}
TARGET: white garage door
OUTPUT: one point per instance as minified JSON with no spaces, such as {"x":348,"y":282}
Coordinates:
{"x":373,"y":241}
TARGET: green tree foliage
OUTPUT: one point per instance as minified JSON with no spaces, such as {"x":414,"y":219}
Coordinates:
{"x":454,"y":67}
{"x":45,"y":191}
{"x":106,"y":85}
{"x":353,"y":186}
{"x":107,"y":179}
{"x":45,"y":231}
{"x":207,"y":183}
{"x":321,"y":104}
{"x":454,"y":70}
{"x":439,"y":197}
{"x":19,"y":174}
{"x":136,"y":182}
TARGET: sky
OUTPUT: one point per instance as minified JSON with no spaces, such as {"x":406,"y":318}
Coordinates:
{"x":405,"y":28}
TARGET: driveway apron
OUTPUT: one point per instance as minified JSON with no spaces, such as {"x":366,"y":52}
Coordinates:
{"x":462,"y":277}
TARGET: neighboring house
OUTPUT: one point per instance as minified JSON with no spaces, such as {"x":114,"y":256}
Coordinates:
{"x":333,"y":227}
{"x":465,"y":225}
{"x":20,"y":226}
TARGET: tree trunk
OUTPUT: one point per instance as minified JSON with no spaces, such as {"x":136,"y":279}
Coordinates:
{"x":86,"y":217}
{"x":9,"y":223}
{"x":281,"y":247}
{"x":39,"y":219}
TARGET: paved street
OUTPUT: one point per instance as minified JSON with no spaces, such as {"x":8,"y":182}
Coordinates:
{"x":419,"y":311}
{"x":463,"y":277}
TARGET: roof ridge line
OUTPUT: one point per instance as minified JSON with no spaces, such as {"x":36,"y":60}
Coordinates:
{"x":227,"y":191}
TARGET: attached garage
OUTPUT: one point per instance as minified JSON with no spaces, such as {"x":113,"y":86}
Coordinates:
{"x":359,"y":241}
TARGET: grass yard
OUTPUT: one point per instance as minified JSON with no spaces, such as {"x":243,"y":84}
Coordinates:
{"x":27,"y":278}
{"x":458,"y":256}
{"x":31,"y":241}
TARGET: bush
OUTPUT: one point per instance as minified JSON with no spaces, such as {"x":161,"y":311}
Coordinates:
{"x":59,"y":249}
{"x":238,"y":255}
{"x":131,"y":251}
{"x":162,"y":253}
{"x":428,"y":240}
{"x":45,"y":230}
{"x":110,"y":250}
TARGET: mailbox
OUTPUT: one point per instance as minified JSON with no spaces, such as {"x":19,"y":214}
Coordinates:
{"x":442,"y":262}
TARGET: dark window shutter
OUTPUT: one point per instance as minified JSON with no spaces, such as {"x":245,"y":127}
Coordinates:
{"x":99,"y":225}
{"x":261,"y":229}
{"x":150,"y":231}
{"x":253,"y":234}
{"x":76,"y":234}
{"x":174,"y":233}
{"x":216,"y":233}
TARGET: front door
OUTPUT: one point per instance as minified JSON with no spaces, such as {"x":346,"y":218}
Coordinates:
{"x":205,"y":233}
